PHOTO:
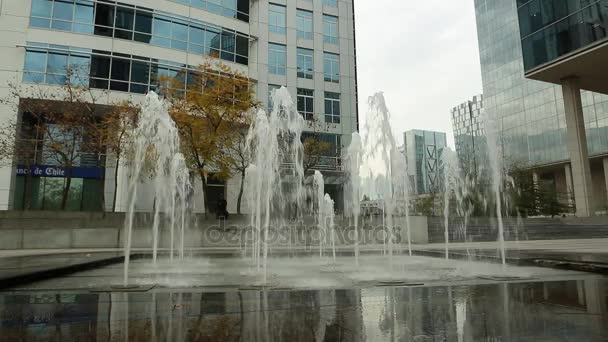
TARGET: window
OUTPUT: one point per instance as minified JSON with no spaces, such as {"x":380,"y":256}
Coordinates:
{"x":304,"y":24}
{"x":330,"y":29}
{"x":238,"y":9}
{"x":276,"y":19}
{"x":305,"y":63}
{"x":330,"y":3}
{"x":306,"y":103}
{"x":330,"y":157}
{"x":271,"y":88}
{"x":332,"y":107}
{"x":98,"y":69}
{"x":277,"y":59}
{"x":331,"y":67}
{"x":124,"y":21}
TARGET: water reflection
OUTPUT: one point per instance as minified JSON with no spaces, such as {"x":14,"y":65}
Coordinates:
{"x":552,"y":311}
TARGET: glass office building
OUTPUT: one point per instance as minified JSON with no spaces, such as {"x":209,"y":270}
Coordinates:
{"x":423,"y":152}
{"x":126,"y":48}
{"x":469,"y":136}
{"x":531,"y":114}
{"x":551,"y":29}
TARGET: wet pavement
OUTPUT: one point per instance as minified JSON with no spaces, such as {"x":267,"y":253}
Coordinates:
{"x":20,"y":265}
{"x":562,"y":310}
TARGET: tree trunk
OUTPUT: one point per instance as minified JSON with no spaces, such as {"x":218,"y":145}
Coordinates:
{"x":115,"y":183}
{"x":66,"y":190}
{"x":238,"y":201}
{"x":27,"y":192}
{"x":205,"y":195}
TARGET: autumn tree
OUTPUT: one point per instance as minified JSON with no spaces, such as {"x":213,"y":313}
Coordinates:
{"x":209,"y":115}
{"x":57,"y":126}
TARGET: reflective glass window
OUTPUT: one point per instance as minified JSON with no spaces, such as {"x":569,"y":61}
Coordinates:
{"x":331,"y":67}
{"x":332,"y":107}
{"x":304,"y":24}
{"x":277,"y":59}
{"x":276,"y":18}
{"x":330,"y":29}
{"x":306,"y":102}
{"x":305,"y":63}
{"x":125,"y":22}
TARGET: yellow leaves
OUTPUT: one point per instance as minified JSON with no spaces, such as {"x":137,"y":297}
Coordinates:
{"x":208,"y":114}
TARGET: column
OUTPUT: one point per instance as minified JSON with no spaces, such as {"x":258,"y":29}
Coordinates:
{"x":569,"y":188}
{"x":606,"y":177}
{"x":577,"y":148}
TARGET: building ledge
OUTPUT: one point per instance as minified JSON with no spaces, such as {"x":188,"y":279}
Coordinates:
{"x":586,"y":64}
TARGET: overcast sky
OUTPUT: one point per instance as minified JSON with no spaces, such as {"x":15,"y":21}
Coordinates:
{"x":422,"y":54}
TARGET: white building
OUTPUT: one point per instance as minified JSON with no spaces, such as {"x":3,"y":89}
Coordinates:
{"x":306,"y":45}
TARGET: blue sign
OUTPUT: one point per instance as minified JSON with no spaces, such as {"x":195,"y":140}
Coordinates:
{"x":60,"y":172}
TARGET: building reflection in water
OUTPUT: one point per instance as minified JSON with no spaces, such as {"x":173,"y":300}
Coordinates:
{"x":562,"y":310}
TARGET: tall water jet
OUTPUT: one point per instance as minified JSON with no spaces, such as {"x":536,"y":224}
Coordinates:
{"x":451,"y":186}
{"x":180,"y":185}
{"x":496,"y":165}
{"x":353,"y":169}
{"x":401,"y":189}
{"x":156,"y":151}
{"x":329,"y":222}
{"x":380,"y":147}
{"x":274,"y":141}
{"x":319,"y":186}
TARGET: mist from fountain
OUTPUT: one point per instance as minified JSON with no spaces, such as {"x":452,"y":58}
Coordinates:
{"x":156,"y":153}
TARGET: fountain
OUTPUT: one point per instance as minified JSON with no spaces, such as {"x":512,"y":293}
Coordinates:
{"x":156,"y":154}
{"x":380,"y":156}
{"x":497,"y":175}
{"x":281,"y":198}
{"x":452,"y":185}
{"x":275,"y":141}
{"x":319,"y":185}
{"x":353,"y":186}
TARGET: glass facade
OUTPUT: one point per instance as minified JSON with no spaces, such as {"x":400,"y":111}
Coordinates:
{"x":306,"y":100}
{"x":277,"y":59}
{"x":423,"y":151}
{"x":277,"y":19}
{"x":123,"y":21}
{"x":330,"y":29}
{"x":332,"y":107}
{"x":331,"y":67}
{"x":531,"y":113}
{"x":469,"y":135}
{"x":553,"y":28}
{"x":304,"y":24}
{"x":305,"y":63}
{"x":99,"y":69}
{"x":238,"y":9}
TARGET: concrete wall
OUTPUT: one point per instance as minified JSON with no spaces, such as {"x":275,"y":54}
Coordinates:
{"x":52,"y":230}
{"x":486,"y":229}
